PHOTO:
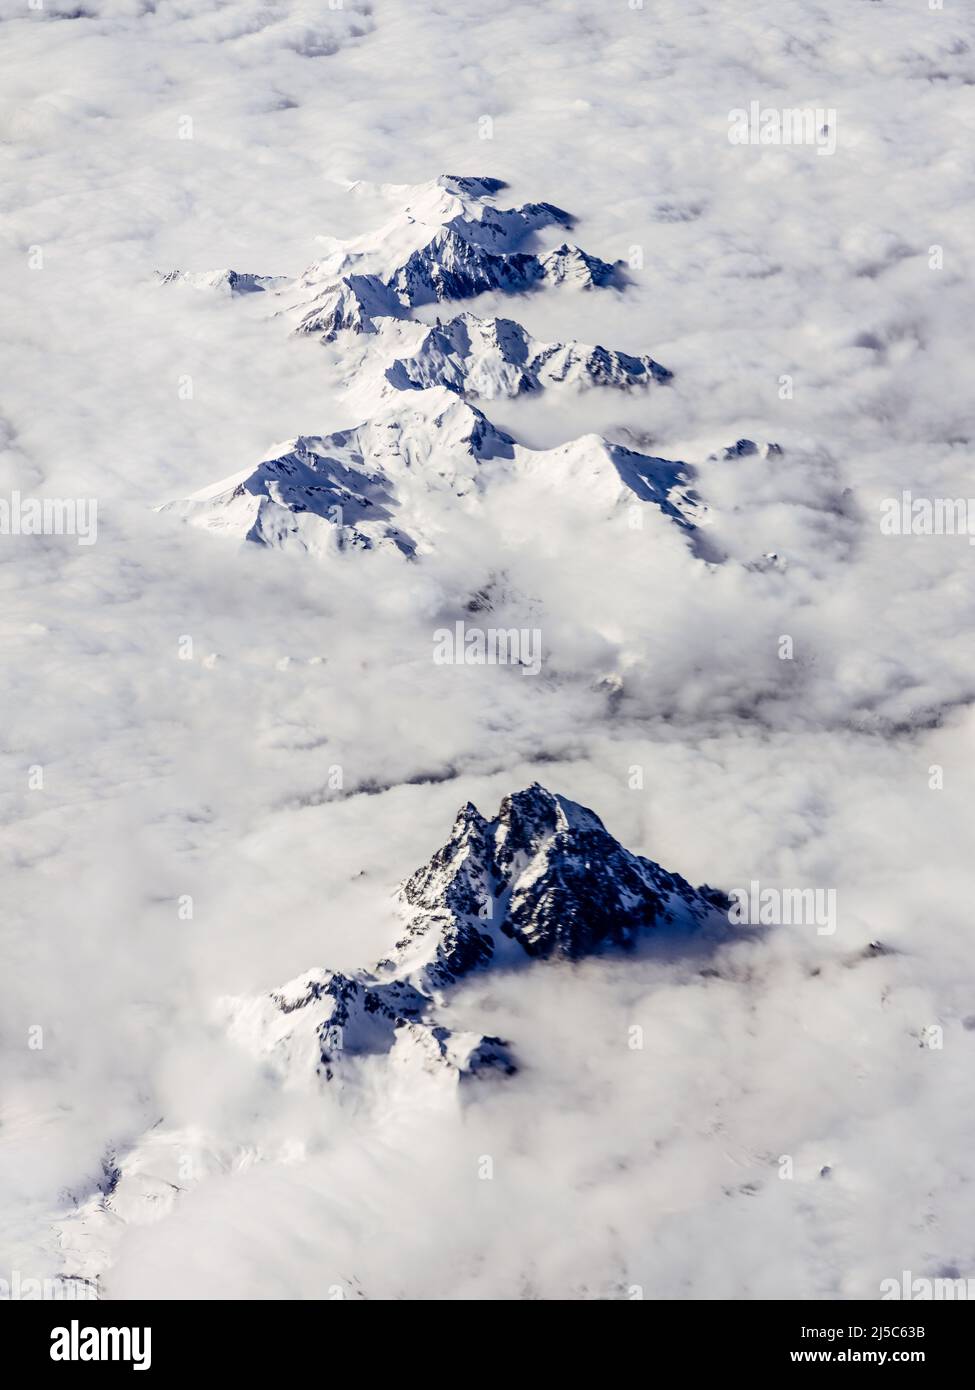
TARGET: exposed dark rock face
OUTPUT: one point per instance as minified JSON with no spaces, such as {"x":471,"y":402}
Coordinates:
{"x":545,"y":874}
{"x":545,"y":878}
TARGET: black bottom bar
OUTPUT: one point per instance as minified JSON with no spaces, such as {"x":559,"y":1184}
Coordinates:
{"x":287,"y":1339}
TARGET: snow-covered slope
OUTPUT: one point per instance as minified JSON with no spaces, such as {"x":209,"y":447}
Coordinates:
{"x":543,"y":880}
{"x":398,"y":479}
{"x":325,"y":1022}
{"x":447,"y":240}
{"x":227,"y":282}
{"x":497,"y":357}
{"x":318,"y":495}
{"x":380,"y":484}
{"x":377,"y":485}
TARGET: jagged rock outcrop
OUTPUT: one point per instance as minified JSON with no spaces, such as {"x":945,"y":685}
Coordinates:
{"x":544,"y":877}
{"x":449,"y":240}
{"x":497,"y":357}
{"x":323,"y":1022}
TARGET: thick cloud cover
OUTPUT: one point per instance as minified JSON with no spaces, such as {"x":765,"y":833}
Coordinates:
{"x":210,"y":776}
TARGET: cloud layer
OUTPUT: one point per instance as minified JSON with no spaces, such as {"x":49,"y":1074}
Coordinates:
{"x":146,"y":137}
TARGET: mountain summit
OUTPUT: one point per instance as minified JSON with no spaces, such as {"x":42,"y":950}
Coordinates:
{"x":447,"y":240}
{"x":543,"y":879}
{"x":393,"y":482}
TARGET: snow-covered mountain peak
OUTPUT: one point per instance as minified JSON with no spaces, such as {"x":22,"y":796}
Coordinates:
{"x":325,"y":1024}
{"x":468,"y":207}
{"x":493,"y":357}
{"x":471,"y":187}
{"x":312,"y":494}
{"x":227,"y":282}
{"x":448,"y":240}
{"x":544,"y":876}
{"x":349,"y":490}
{"x":385,"y":483}
{"x":396,"y":480}
{"x":455,"y":423}
{"x":746,"y":448}
{"x":529,"y":819}
{"x":570,"y":265}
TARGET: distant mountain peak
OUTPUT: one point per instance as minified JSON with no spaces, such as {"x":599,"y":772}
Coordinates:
{"x":493,"y":357}
{"x":447,"y":240}
{"x":572,"y":266}
{"x":381,"y":486}
{"x":471,"y":187}
{"x":227,"y":281}
{"x":349,"y":490}
{"x":391,"y":483}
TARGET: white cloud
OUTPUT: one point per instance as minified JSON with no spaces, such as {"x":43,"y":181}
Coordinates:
{"x":164,"y":777}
